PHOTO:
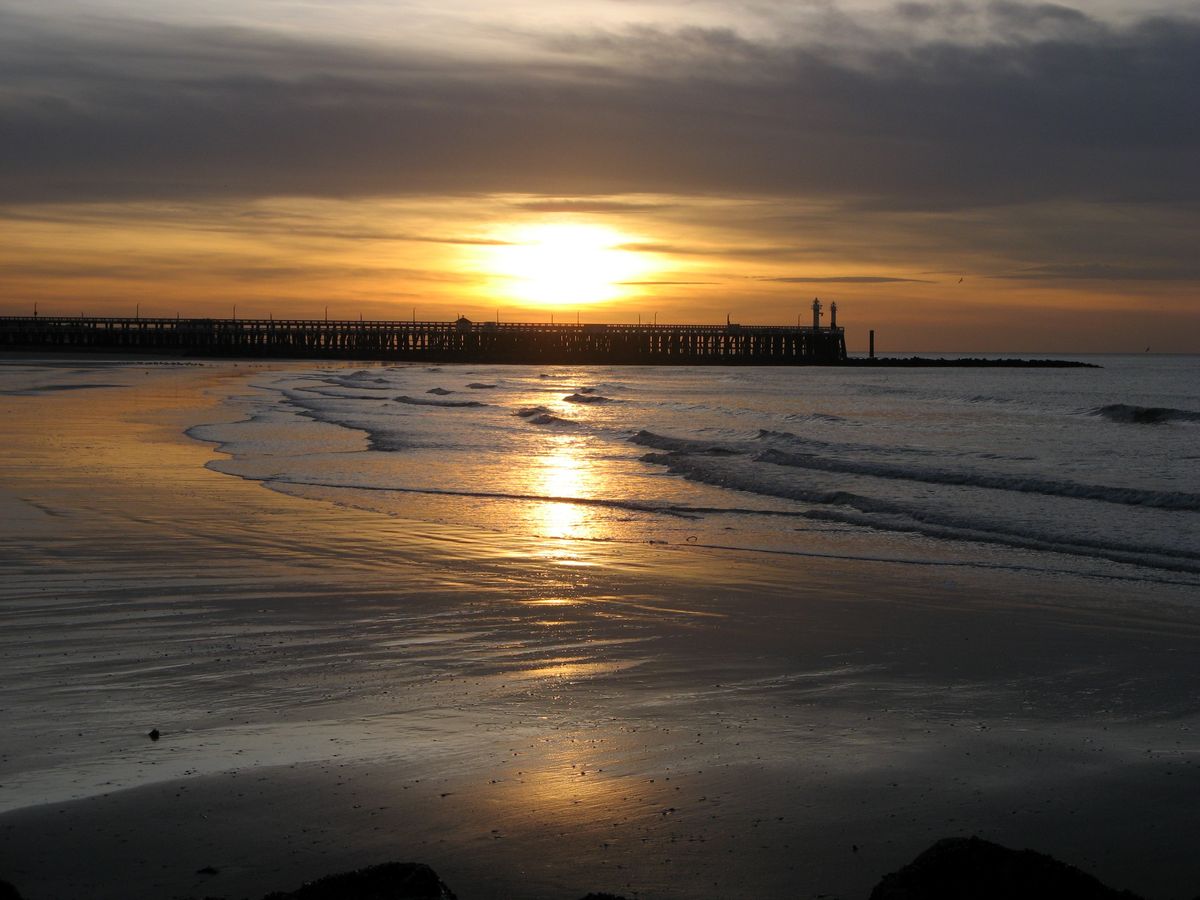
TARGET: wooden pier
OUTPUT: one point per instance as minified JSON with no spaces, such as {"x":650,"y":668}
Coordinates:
{"x":458,"y":341}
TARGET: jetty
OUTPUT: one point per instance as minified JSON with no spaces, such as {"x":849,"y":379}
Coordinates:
{"x":461,"y":340}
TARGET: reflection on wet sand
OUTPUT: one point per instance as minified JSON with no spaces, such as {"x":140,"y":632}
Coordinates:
{"x":566,"y":771}
{"x":568,"y":668}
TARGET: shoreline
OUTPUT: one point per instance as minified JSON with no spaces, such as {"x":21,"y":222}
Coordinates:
{"x":336,"y":687}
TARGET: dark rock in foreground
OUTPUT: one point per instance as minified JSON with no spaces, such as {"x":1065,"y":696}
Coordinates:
{"x":958,"y":868}
{"x":952,"y":869}
{"x":390,"y":881}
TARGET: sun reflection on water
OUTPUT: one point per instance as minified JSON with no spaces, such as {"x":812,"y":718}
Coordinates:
{"x":564,"y":474}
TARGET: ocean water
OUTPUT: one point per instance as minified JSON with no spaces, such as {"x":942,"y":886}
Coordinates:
{"x":1092,"y":472}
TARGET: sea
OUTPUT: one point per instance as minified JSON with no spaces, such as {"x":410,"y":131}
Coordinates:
{"x":1091,"y":472}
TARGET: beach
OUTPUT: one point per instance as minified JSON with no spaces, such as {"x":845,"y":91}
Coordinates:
{"x":533,"y":711}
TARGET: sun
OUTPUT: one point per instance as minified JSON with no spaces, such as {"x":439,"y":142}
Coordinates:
{"x":564,"y":263}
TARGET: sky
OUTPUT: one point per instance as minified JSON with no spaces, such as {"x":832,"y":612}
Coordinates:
{"x":988,"y":176}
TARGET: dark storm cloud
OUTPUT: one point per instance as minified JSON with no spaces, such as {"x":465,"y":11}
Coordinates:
{"x":1053,"y":105}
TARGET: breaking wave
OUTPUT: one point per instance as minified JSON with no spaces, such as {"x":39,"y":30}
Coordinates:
{"x":683,"y":445}
{"x":361,"y":380}
{"x":1020,"y":483}
{"x":421,"y":401}
{"x":578,"y":397}
{"x":1144,"y":415}
{"x":855,"y":509}
{"x":549,"y":419}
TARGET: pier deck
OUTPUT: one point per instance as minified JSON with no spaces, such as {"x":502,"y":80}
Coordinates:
{"x":457,"y":341}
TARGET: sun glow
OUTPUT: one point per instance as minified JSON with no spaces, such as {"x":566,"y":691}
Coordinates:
{"x":564,"y":264}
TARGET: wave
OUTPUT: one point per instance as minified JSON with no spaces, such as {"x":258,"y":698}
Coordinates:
{"x":579,"y":397}
{"x":1144,"y":415}
{"x":529,"y":412}
{"x":334,"y":392}
{"x":440,"y":391}
{"x":359,"y":380}
{"x":681,"y":511}
{"x":550,"y":419}
{"x":766,"y":434}
{"x":448,"y":404}
{"x":480,"y":386}
{"x":387,"y":441}
{"x":1025,"y":484}
{"x":787,"y":438}
{"x":1146,"y":557}
{"x":854,"y":509}
{"x":682,"y":445}
{"x":985,"y":398}
{"x":815,"y":417}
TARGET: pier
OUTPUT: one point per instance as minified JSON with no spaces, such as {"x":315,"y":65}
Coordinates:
{"x":457,"y":341}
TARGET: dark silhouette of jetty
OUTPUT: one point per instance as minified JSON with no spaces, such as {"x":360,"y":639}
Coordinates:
{"x":458,"y":341}
{"x":467,"y":342}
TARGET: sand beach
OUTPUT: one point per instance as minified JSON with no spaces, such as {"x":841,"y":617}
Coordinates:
{"x":533,"y":717}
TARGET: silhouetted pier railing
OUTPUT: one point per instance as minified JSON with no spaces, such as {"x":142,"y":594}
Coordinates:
{"x":458,"y":341}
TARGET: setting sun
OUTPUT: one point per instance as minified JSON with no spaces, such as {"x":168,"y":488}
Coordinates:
{"x":563,"y":263}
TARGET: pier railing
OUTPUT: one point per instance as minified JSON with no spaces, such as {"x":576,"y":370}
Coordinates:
{"x":456,"y":341}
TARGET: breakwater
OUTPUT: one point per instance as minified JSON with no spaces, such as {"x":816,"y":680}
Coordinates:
{"x":457,"y":341}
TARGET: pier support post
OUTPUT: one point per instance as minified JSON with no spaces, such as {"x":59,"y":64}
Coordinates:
{"x":872,"y":350}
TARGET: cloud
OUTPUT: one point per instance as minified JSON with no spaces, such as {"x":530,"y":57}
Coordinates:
{"x":721,"y":251}
{"x":1104,"y":272}
{"x":590,"y":206}
{"x":1056,"y":105}
{"x":848,"y":279}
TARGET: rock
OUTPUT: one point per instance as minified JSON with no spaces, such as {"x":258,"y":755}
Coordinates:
{"x":154,"y":734}
{"x":390,"y":881}
{"x":956,"y":868}
{"x":602,"y":897}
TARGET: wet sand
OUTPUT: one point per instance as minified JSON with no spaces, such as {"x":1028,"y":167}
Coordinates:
{"x":531,"y":717}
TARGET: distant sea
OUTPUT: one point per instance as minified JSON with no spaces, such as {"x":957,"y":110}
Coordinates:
{"x":1088,"y":472}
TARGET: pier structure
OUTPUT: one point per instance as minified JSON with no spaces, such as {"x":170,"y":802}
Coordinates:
{"x":458,"y":341}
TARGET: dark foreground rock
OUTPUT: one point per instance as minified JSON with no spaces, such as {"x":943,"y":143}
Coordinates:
{"x":952,"y":869}
{"x":390,"y":881}
{"x":957,"y":868}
